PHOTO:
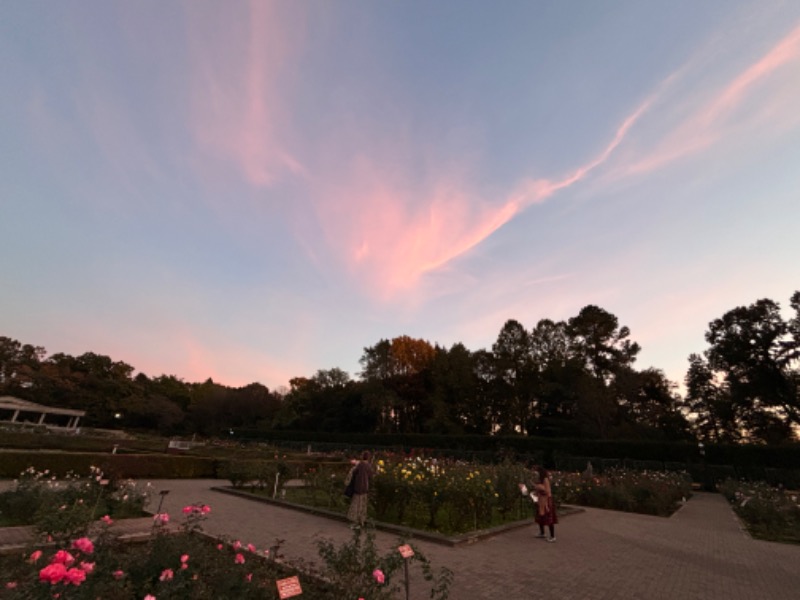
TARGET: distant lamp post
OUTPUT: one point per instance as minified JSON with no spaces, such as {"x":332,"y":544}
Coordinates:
{"x":702,"y":448}
{"x":118,"y":416}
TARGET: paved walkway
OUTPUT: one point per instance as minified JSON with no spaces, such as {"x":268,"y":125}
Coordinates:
{"x":698,"y":553}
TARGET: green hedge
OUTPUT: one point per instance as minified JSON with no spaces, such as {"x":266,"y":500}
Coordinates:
{"x":34,"y":440}
{"x":136,"y":466}
{"x":551,"y":449}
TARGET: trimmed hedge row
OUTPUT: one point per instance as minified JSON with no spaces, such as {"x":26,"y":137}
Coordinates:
{"x":135,"y":466}
{"x":75,"y":443}
{"x":148,"y":466}
{"x":552,"y":450}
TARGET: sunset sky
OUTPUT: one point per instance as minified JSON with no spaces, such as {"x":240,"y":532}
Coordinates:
{"x":254,"y":191}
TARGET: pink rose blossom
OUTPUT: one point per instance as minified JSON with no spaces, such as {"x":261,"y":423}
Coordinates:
{"x":35,"y":556}
{"x":83,"y":544}
{"x":220,"y":546}
{"x":53,"y":573}
{"x":184,"y":558}
{"x":118,"y":574}
{"x":239,"y":560}
{"x":86,"y":567}
{"x":378,"y":575}
{"x":75,"y":576}
{"x":205,"y":509}
{"x":149,"y":597}
{"x":188,"y":509}
{"x":63,"y":557}
{"x":249,"y":577}
{"x":161,"y":518}
{"x":166,"y":575}
{"x":251,"y":548}
{"x":11,"y":585}
{"x":107,"y":520}
{"x":237,"y":544}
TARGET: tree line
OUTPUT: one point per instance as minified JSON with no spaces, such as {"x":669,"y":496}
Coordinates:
{"x":574,"y":378}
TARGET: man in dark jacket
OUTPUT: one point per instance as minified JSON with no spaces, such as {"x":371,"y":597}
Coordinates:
{"x":362,"y":474}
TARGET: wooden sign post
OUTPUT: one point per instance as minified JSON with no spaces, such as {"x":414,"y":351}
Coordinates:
{"x":289,"y":587}
{"x":406,"y":552}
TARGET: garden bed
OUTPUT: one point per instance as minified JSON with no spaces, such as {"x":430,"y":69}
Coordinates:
{"x":768,"y":513}
{"x":403,"y":531}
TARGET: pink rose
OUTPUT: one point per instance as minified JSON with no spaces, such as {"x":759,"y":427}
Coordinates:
{"x":149,"y":597}
{"x":166,"y":575}
{"x":249,"y":577}
{"x":118,"y":574}
{"x":239,"y":560}
{"x":35,"y":556}
{"x":206,"y":509}
{"x":220,"y":546}
{"x":75,"y":576}
{"x":378,"y":575}
{"x":11,"y":585}
{"x":86,"y":567}
{"x":161,"y":518}
{"x":184,"y":558}
{"x":63,"y":557}
{"x":251,"y":548}
{"x":107,"y":520}
{"x":53,"y":573}
{"x":237,"y":544}
{"x":83,"y":544}
{"x":188,"y":509}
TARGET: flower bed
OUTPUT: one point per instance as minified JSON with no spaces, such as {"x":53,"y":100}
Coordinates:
{"x":186,"y":564}
{"x":64,"y":507}
{"x":454,"y":497}
{"x":769,"y":513}
{"x":648,"y":492}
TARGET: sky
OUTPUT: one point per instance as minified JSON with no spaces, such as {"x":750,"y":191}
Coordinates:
{"x":256,"y":191}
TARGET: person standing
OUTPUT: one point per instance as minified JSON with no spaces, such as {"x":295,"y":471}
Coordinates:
{"x":362,"y":474}
{"x":546,"y":509}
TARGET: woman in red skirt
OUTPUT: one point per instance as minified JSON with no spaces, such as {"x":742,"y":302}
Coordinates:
{"x":546,"y":513}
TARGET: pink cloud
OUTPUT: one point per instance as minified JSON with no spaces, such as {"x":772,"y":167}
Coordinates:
{"x":390,"y":236}
{"x":538,"y":190}
{"x":238,"y":90}
{"x":711,"y":122}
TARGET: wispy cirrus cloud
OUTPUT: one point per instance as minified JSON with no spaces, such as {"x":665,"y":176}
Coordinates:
{"x":729,"y":109}
{"x":239,"y":111}
{"x":408,"y":245}
{"x":391,"y":236}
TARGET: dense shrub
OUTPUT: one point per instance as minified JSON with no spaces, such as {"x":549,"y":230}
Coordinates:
{"x":768,"y":512}
{"x":648,"y":492}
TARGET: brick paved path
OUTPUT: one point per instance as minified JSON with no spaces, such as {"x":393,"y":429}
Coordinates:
{"x":698,"y":553}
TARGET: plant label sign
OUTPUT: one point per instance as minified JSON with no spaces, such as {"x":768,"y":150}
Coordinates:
{"x":405,"y":551}
{"x":289,"y":587}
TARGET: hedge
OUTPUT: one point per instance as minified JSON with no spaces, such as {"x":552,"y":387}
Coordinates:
{"x":551,"y":449}
{"x":135,"y":466}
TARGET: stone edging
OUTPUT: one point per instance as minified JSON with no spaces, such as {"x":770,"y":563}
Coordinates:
{"x":405,"y":532}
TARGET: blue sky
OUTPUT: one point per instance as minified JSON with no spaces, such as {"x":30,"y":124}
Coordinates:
{"x":253,"y":191}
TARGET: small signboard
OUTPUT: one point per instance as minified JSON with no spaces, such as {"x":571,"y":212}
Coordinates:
{"x":289,"y":587}
{"x":405,"y":551}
